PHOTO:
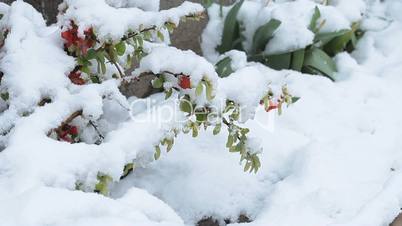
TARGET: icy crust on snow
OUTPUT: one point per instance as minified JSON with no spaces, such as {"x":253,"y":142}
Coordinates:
{"x":117,"y":22}
{"x":295,"y":17}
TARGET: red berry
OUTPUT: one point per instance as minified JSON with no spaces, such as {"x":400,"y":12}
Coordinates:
{"x":73,"y":130}
{"x":71,"y":35}
{"x":67,"y":139}
{"x":184,"y":82}
{"x":71,"y":38}
{"x":63,"y":134}
{"x":271,"y":107}
{"x":75,"y":77}
{"x":68,"y":37}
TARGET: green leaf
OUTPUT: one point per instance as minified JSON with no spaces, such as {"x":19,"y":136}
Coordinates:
{"x":263,"y":35}
{"x":266,"y":103}
{"x":112,"y":53}
{"x":169,"y":93}
{"x":231,"y":29}
{"x":160,"y":36}
{"x":129,"y":61}
{"x":102,"y":186}
{"x":186,"y":106}
{"x":354,"y":40}
{"x":201,"y":116}
{"x":170,"y":26}
{"x":207,"y":3}
{"x":295,"y":99}
{"x":5,"y":96}
{"x":247,"y":166}
{"x":91,"y":54}
{"x":297,"y":60}
{"x":279,"y":62}
{"x":324,"y":38}
{"x":224,"y":67}
{"x":199,"y":89}
{"x":313,"y":23}
{"x":95,"y":79}
{"x":85,"y":69}
{"x":127,"y":170}
{"x":158,"y":83}
{"x":169,"y":145}
{"x":120,"y":48}
{"x":318,"y":60}
{"x":338,"y":44}
{"x":217,"y":129}
{"x":195,"y":130}
{"x":147,"y":35}
{"x":103,"y":67}
{"x":229,"y":142}
{"x":157,"y":152}
{"x":209,"y":90}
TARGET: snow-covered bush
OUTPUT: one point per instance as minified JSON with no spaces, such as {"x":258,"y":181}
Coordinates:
{"x":297,"y":35}
{"x":64,"y":121}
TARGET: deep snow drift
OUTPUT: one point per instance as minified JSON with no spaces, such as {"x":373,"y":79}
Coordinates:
{"x":333,"y":158}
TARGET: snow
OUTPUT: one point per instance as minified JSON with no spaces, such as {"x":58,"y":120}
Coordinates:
{"x":150,"y":5}
{"x":60,"y":207}
{"x":295,"y":17}
{"x":184,"y":62}
{"x":91,"y":13}
{"x":331,"y":159}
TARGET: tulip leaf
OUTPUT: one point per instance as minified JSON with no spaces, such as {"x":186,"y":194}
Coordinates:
{"x":318,"y":62}
{"x":279,"y":62}
{"x":224,"y":67}
{"x":231,"y":29}
{"x":297,"y":60}
{"x":324,"y":38}
{"x":263,"y":35}
{"x":314,"y":19}
{"x":338,"y":44}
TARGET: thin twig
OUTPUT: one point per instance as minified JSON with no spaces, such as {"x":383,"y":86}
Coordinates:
{"x":96,"y":129}
{"x":121,"y":74}
{"x":70,"y":119}
{"x":132,"y":35}
{"x":44,"y":101}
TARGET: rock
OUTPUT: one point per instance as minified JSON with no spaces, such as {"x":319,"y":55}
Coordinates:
{"x":188,"y":34}
{"x":397,"y":221}
{"x":243,"y":219}
{"x":213,"y":222}
{"x":140,"y":86}
{"x":208,"y":222}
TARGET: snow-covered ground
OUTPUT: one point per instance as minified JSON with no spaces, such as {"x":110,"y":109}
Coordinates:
{"x":333,"y":158}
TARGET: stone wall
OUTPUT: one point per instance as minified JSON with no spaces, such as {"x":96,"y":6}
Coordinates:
{"x":187,"y":36}
{"x":47,"y":7}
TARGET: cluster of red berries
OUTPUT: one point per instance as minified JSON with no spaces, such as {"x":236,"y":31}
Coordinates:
{"x":184,"y":82}
{"x":71,"y":38}
{"x":68,"y":133}
{"x":75,"y":77}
